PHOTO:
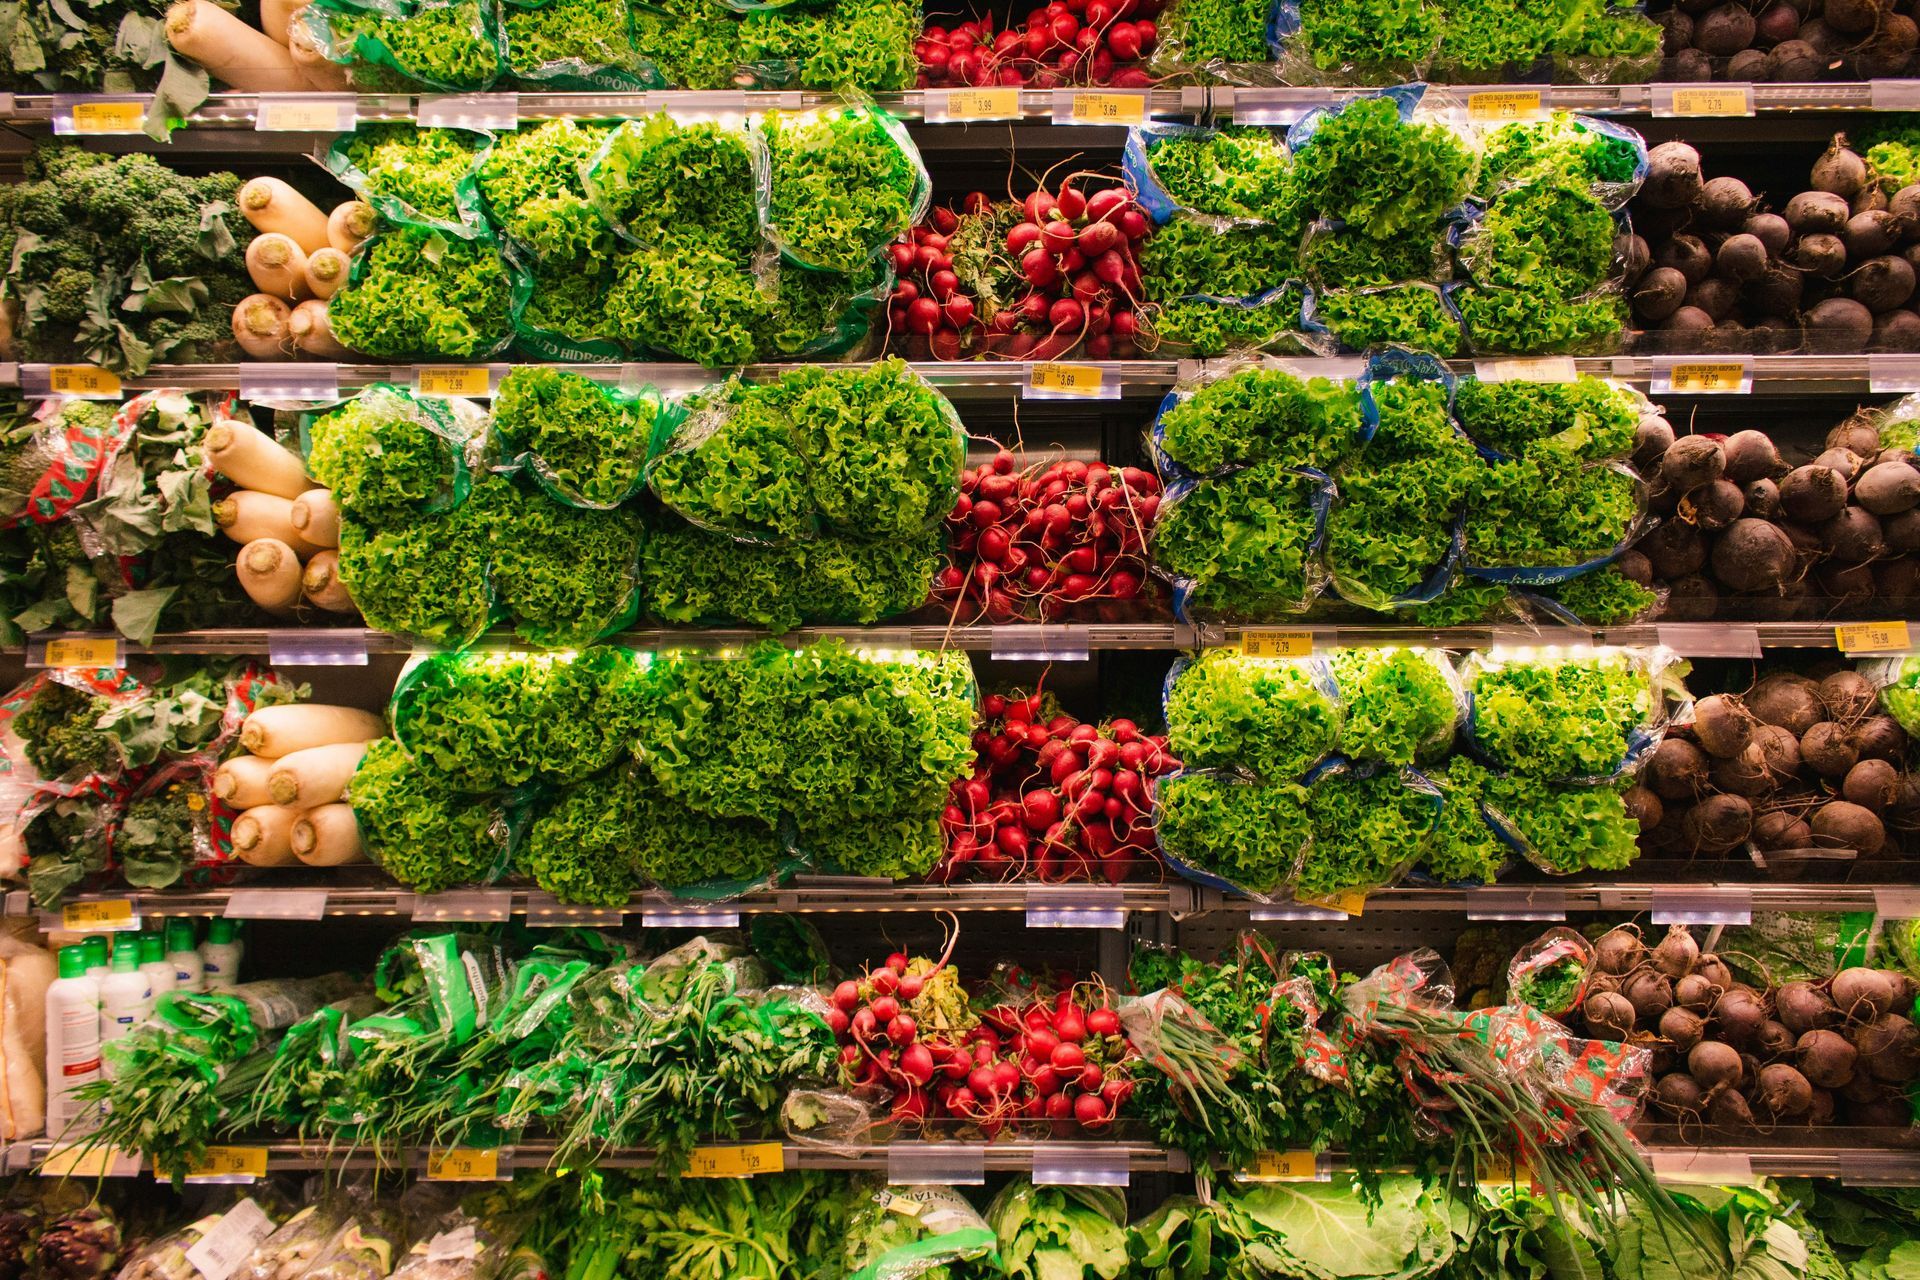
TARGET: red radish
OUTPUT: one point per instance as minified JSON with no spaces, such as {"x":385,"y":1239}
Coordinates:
{"x":1091,"y":1077}
{"x":901,"y":1029}
{"x":1091,"y":1111}
{"x":916,"y":1063}
{"x":1103,"y":1022}
{"x":846,"y":997}
{"x":1070,"y":1026}
{"x":1067,"y":1056}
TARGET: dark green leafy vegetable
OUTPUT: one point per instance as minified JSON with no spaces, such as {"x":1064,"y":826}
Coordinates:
{"x":1243,"y":540}
{"x":843,"y":187}
{"x":566,"y":575}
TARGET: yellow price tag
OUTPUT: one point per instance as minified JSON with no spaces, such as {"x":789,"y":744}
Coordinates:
{"x":98,"y":917}
{"x":1497,"y":105}
{"x":1353,"y":902}
{"x":1282,"y":1166}
{"x":230,"y":1162}
{"x":1110,"y":108}
{"x":1067,"y":379}
{"x":1713,"y":100}
{"x":1496,"y":1167}
{"x":299,"y":117}
{"x":463,"y":1164}
{"x":81,"y":1161}
{"x":452,"y":380}
{"x":737,"y":1162}
{"x":983,"y":104}
{"x":1704,"y":377}
{"x":83,"y":380}
{"x":1272,"y":642}
{"x":1872,"y":637}
{"x":109,"y":117}
{"x":84,"y":651}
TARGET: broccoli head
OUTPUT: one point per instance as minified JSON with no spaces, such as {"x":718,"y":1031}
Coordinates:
{"x":64,"y":296}
{"x":41,"y":208}
{"x":55,"y":160}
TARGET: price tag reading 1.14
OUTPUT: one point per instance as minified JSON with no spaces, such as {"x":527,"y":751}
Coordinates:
{"x":1515,"y":104}
{"x":1872,"y":637}
{"x":737,"y":1162}
{"x":83,"y":652}
{"x":83,"y":381}
{"x":114,"y":916}
{"x":452,"y":380}
{"x":1271,"y":642}
{"x":463,"y":1164}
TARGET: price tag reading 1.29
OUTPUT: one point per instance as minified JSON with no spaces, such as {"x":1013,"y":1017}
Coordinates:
{"x":737,"y":1162}
{"x":1271,"y":642}
{"x":1872,"y":637}
{"x":463,"y":1164}
{"x":1283,"y":1166}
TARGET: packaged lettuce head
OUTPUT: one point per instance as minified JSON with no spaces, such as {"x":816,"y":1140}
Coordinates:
{"x":845,"y":183}
{"x":573,"y":44}
{"x":1601,"y":597}
{"x":1336,"y":255}
{"x":422,"y":832}
{"x":1544,"y":236}
{"x":1466,"y":849}
{"x":1234,"y":413}
{"x":498,"y":720}
{"x":1370,"y":824}
{"x":1418,"y":316}
{"x":1274,"y":718}
{"x":564,"y":315}
{"x":1244,"y":546}
{"x":1215,"y":41}
{"x":1206,"y":326}
{"x":386,"y":455}
{"x":421,"y":575}
{"x":1354,"y":41}
{"x":415,"y":177}
{"x":1527,"y":322}
{"x":1394,"y":537}
{"x":1221,"y":828}
{"x":1560,"y":827}
{"x":1378,"y":165}
{"x":1592,"y":419}
{"x":663,"y":181}
{"x":1399,"y":705}
{"x":882,"y":446}
{"x":450,"y":46}
{"x":1569,"y":713}
{"x":1539,"y":521}
{"x":530,"y":182}
{"x":849,"y":47}
{"x":564,"y":575}
{"x":1606,"y":158}
{"x":688,"y":302}
{"x":584,"y":442}
{"x":1225,"y":177}
{"x":412,"y":292}
{"x":818,"y":315}
{"x":734,"y":465}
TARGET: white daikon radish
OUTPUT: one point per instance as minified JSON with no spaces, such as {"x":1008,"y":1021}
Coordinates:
{"x":234,"y":53}
{"x":314,"y":775}
{"x":270,"y":572}
{"x":276,"y":18}
{"x":310,"y":56}
{"x":326,"y":272}
{"x":260,"y":326}
{"x":350,"y":224}
{"x":247,"y":516}
{"x":327,"y":836}
{"x":278,"y":266}
{"x":254,"y":460}
{"x":313,"y":332}
{"x":294,"y":726}
{"x":263,"y":835}
{"x":242,"y":781}
{"x":271,"y":205}
{"x":322,"y":585}
{"x":316,"y":517}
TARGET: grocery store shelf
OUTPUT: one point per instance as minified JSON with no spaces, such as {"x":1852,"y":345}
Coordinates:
{"x":1669,"y":901}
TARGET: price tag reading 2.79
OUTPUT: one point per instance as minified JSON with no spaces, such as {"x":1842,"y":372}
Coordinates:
{"x":1702,"y":377}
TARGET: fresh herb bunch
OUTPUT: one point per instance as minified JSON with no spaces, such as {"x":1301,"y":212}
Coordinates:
{"x":883,"y":448}
{"x":1205,"y":327}
{"x":1561,"y":149}
{"x":1542,"y":236}
{"x":1244,"y":541}
{"x":422,"y":832}
{"x":1249,"y":834}
{"x":735,"y":466}
{"x":492,"y":722}
{"x":1274,"y":718}
{"x":588,"y":443}
{"x":843,"y":187}
{"x":416,"y":293}
{"x":1528,"y":322}
{"x":121,"y":262}
{"x":1369,"y":38}
{"x":423,"y":576}
{"x":1366,"y":166}
{"x":60,"y":729}
{"x":864,"y":45}
{"x":1410,"y":315}
{"x":1366,"y":831}
{"x":570,"y":40}
{"x":1348,"y":258}
{"x":1210,"y":31}
{"x":1559,"y":715}
{"x":1186,"y":257}
{"x":1397,"y":705}
{"x":438,"y":44}
{"x":1604,"y":597}
{"x":431,"y":171}
{"x":566,"y":575}
{"x":681,"y":185}
{"x":694,"y":577}
{"x":531,"y":182}
{"x":1564,"y":828}
{"x":1233,"y":172}
{"x":1261,"y":415}
{"x":1592,"y":418}
{"x":1541,"y":512}
{"x":385,"y":456}
{"x":1464,"y":849}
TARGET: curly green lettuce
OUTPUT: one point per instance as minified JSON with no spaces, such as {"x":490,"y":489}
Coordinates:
{"x":1564,"y":829}
{"x":1348,"y":258}
{"x":1464,"y":849}
{"x":1231,"y":173}
{"x":1260,"y":415}
{"x":1198,"y":32}
{"x":1368,"y":38}
{"x":1244,"y":542}
{"x":1605,"y":597}
{"x":385,"y":456}
{"x":1206,"y":328}
{"x":423,"y":833}
{"x":571,"y":40}
{"x":894,"y":848}
{"x":436,"y":44}
{"x":693,"y":304}
{"x":851,"y":45}
{"x":1564,"y":149}
{"x":1592,"y":418}
{"x":1542,"y":512}
{"x":587,"y":442}
{"x":1398,"y":705}
{"x":1524,"y":322}
{"x":694,"y":577}
{"x":428,"y":170}
{"x":1541,"y":236}
{"x":530,"y":180}
{"x":1249,"y":834}
{"x":884,"y":449}
{"x":843,"y":187}
{"x":687,"y":185}
{"x":416,"y":293}
{"x":1559,"y":716}
{"x":1274,"y":718}
{"x":1367,"y":830}
{"x":566,"y":575}
{"x":1366,"y":166}
{"x":735,"y":466}
{"x":1411,"y":315}
{"x":1186,"y":257}
{"x":425,"y":576}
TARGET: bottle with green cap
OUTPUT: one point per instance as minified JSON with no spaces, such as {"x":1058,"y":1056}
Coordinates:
{"x":154,"y":963}
{"x":99,"y":958}
{"x":73,"y":1038}
{"x":189,"y":974}
{"x":126,"y":996}
{"x":220,"y":953}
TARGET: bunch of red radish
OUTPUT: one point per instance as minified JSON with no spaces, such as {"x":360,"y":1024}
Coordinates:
{"x":1053,"y":798}
{"x":1065,"y":42}
{"x":1061,"y":542}
{"x":1070,"y":278}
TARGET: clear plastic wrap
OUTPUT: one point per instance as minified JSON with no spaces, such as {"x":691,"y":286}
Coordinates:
{"x":1522,"y":322}
{"x":1522,"y":502}
{"x":171,"y":825}
{"x":415,"y":177}
{"x":531,"y":185}
{"x":920,"y":1229}
{"x":447,"y":46}
{"x":412,"y":293}
{"x":1275,"y":718}
{"x":818,"y":160}
{"x":1269,"y":568}
{"x":665,"y":177}
{"x":1225,"y":829}
{"x":1399,"y":705}
{"x":386,"y":455}
{"x":53,"y":461}
{"x":1245,"y":187}
{"x":297,"y":1244}
{"x":586,"y":443}
{"x":573,"y":44}
{"x":1235,"y":413}
{"x":1550,"y":973}
{"x":1370,"y":825}
{"x":1344,"y":42}
{"x":1609,"y":158}
{"x":1337,"y":256}
{"x":1569,"y":714}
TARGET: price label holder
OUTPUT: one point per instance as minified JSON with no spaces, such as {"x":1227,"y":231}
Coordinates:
{"x":78,"y":1160}
{"x":1517,"y":904}
{"x":276,"y":904}
{"x":87,"y":653}
{"x":284,"y":380}
{"x":1702,"y":1166}
{"x":745,"y":1160}
{"x":230,"y":1241}
{"x":1542,"y":369}
{"x":1872,"y":637}
{"x":493,"y":111}
{"x":306,"y":113}
{"x":957,"y":106}
{"x":1893,"y":374}
{"x":1894,"y":95}
{"x":936,"y":1164}
{"x":1081,"y":1164}
{"x":344,"y":647}
{"x":1275,"y":642}
{"x":1709,"y":639}
{"x":1701,"y":99}
{"x":1275,"y":912}
{"x":469,"y":1164}
{"x":1288,"y":1166}
{"x":1690,"y":377}
{"x":464,"y":906}
{"x":228,"y":1164}
{"x":1271,"y":108}
{"x":1502,"y":106}
{"x":100,"y":113}
{"x":1892,"y":903}
{"x":543,"y":912}
{"x":77,"y":381}
{"x":1051,"y":380}
{"x":1704,"y":904}
{"x":1100,"y":106}
{"x":669,"y":913}
{"x":110,"y":915}
{"x":461,"y":381}
{"x":1042,"y":643}
{"x":1073,"y":906}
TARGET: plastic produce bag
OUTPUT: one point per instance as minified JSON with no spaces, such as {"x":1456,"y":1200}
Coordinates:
{"x":1417,"y":316}
{"x":1399,"y":706}
{"x":414,"y":293}
{"x":1274,"y":718}
{"x":52,"y":460}
{"x":1550,"y":973}
{"x":448,"y":46}
{"x":1244,"y":546}
{"x":899,"y":1233}
{"x":297,"y":1244}
{"x":1521,"y":322}
{"x":733,"y":465}
{"x":1235,"y":413}
{"x":386,"y":455}
{"x":845,"y":183}
{"x":1203,"y":325}
{"x":664,"y":179}
{"x":1224,"y":829}
{"x":584,"y":442}
{"x":1220,"y":178}
{"x":1370,"y":826}
{"x":1569,"y":714}
{"x":364,"y":1249}
{"x":416,"y":177}
{"x":1337,"y":256}
{"x":169,"y":826}
{"x":531,"y":185}
{"x":1608,"y":158}
{"x":1561,"y":828}
{"x":1536,"y":523}
{"x":573,"y":44}
{"x":565,"y":575}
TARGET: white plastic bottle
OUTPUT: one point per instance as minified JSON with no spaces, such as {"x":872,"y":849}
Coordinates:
{"x":189,"y":974}
{"x":220,"y":953}
{"x":73,"y":1040}
{"x":126,"y":997}
{"x":99,"y":958}
{"x":154,"y":963}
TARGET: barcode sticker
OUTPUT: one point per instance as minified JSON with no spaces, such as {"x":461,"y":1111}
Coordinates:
{"x":219,"y":1253}
{"x":1703,"y":100}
